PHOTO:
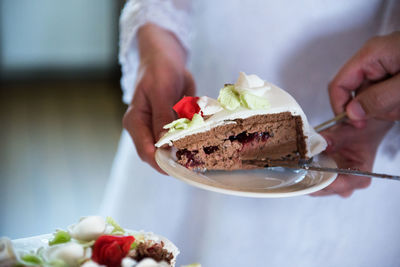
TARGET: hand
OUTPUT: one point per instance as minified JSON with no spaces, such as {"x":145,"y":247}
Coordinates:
{"x":353,"y":148}
{"x":373,"y":75}
{"x":162,"y":81}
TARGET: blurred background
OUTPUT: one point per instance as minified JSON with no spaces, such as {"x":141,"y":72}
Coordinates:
{"x":60,"y":111}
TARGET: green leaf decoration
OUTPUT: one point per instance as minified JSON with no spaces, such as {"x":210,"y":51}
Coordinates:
{"x":134,"y":245}
{"x":60,"y":237}
{"x":229,"y":98}
{"x":197,"y":120}
{"x":179,"y":124}
{"x":183,"y":123}
{"x":251,"y":101}
{"x":118,"y":230}
{"x":56,"y":263}
{"x":31,"y":259}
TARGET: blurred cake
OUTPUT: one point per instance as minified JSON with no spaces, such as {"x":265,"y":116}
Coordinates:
{"x":92,"y":242}
{"x":253,"y":124}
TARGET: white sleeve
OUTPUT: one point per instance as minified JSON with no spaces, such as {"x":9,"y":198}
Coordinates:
{"x":172,"y":15}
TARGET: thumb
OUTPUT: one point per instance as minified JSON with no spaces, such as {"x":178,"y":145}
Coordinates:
{"x":190,"y":86}
{"x":162,"y":115}
{"x":376,"y":101}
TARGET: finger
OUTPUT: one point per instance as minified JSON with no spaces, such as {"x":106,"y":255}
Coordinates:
{"x":348,"y":79}
{"x":323,"y":192}
{"x":354,"y":183}
{"x":379,"y":100}
{"x":162,"y":107}
{"x":340,"y":186}
{"x":162,"y":115}
{"x":142,"y":136}
{"x":135,"y":123}
{"x":373,"y":62}
{"x":190,"y":86}
{"x":339,"y":136}
{"x":345,"y":185}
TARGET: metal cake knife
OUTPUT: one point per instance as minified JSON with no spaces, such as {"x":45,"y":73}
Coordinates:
{"x":309,"y":167}
{"x":307,"y":164}
{"x":329,"y":123}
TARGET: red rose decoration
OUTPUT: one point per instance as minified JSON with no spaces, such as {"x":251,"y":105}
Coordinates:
{"x":187,"y":107}
{"x":109,"y":250}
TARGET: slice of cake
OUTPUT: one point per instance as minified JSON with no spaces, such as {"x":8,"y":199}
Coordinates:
{"x":253,"y":124}
{"x":92,"y":242}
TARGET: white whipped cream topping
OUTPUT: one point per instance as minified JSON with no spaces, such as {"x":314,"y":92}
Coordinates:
{"x":148,"y":262}
{"x":7,"y":254}
{"x":88,"y":228}
{"x":92,"y":264}
{"x":251,"y":83}
{"x":70,"y":253}
{"x":128,"y":262}
{"x":280,"y":101}
{"x":109,"y":229}
{"x":208,"y":105}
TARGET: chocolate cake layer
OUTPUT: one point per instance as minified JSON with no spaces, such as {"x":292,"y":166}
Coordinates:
{"x":248,"y":143}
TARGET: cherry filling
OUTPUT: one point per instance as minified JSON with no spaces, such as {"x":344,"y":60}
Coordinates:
{"x":191,"y":161}
{"x":250,"y":137}
{"x":210,"y":149}
{"x":247,"y":139}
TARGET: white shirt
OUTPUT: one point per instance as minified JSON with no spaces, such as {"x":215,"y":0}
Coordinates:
{"x":298,"y":45}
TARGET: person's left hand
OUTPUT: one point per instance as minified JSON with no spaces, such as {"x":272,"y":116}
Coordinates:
{"x":353,"y":148}
{"x":373,"y":76}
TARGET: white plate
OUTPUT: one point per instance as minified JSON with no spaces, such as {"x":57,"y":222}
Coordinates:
{"x":262,"y":183}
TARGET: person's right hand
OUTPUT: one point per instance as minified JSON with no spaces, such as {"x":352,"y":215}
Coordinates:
{"x":162,"y":81}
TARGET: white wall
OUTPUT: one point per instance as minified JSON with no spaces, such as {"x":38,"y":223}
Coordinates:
{"x":57,"y":33}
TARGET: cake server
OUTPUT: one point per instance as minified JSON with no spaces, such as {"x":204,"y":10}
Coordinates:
{"x":329,"y":123}
{"x":309,"y":167}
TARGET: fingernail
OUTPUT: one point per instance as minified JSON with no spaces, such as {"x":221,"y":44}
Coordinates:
{"x":355,"y":110}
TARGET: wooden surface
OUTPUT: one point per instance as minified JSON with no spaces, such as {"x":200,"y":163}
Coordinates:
{"x":58,"y":140}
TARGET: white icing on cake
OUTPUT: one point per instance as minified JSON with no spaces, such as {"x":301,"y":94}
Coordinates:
{"x":88,"y":228}
{"x":70,"y":253}
{"x":279,"y":101}
{"x":208,"y":105}
{"x":251,"y":83}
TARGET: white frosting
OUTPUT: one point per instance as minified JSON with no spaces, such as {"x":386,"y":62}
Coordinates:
{"x":128,"y":262}
{"x":109,"y":229}
{"x":7,"y":254}
{"x":70,"y":253}
{"x":148,"y":262}
{"x":208,"y":105}
{"x":251,"y":83}
{"x":280,"y":101}
{"x":91,"y":264}
{"x":89,"y":228}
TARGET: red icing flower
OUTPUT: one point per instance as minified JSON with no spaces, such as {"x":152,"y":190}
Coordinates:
{"x":187,"y":107}
{"x":109,"y":250}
